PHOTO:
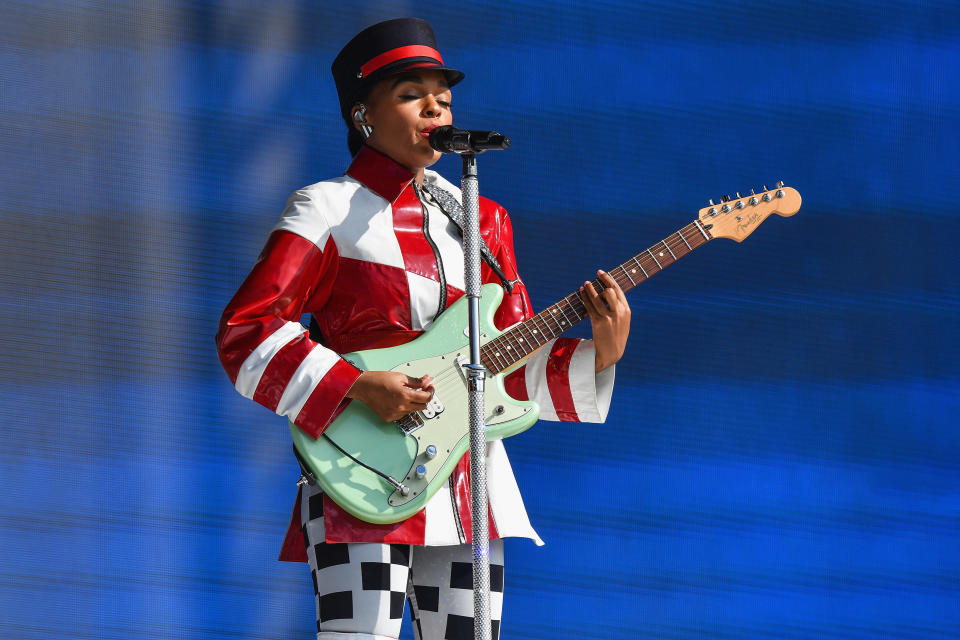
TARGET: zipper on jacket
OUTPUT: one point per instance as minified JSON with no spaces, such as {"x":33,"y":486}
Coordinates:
{"x":436,"y":252}
{"x":442,"y":306}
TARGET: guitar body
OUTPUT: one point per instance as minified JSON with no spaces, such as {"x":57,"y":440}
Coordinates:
{"x":397,"y":451}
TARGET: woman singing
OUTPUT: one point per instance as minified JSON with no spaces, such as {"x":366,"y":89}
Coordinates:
{"x":373,"y":258}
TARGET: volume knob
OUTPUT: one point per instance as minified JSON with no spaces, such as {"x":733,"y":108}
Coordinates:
{"x":430,"y":452}
{"x":421,"y":472}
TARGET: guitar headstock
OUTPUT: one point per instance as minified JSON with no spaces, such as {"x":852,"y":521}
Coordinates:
{"x":736,"y":218}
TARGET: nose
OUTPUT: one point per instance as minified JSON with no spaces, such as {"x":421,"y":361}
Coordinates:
{"x":431,"y":108}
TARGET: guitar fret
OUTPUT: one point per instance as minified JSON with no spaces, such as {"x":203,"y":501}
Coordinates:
{"x":502,"y":353}
{"x":564,"y":308}
{"x":504,"y":363}
{"x":577,"y":306}
{"x":550,"y":334}
{"x":559,"y":310}
{"x":488,"y":364}
{"x":680,"y":233}
{"x":512,"y":344}
{"x":495,"y":352}
{"x":655,"y":259}
{"x":554,"y":312}
{"x":489,"y":348}
{"x":505,"y":346}
{"x":627,"y":273}
{"x":618,"y":278}
{"x":545,"y":322}
{"x":535,"y":335}
{"x":519,"y":340}
{"x":702,"y":230}
{"x":641,"y":267}
{"x":664,"y":242}
{"x":531,"y":338}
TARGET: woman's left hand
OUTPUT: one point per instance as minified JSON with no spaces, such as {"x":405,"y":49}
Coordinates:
{"x":610,"y":317}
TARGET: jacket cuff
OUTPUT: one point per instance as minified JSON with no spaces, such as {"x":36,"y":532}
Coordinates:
{"x":591,"y":391}
{"x":327,"y":400}
{"x":561,"y":379}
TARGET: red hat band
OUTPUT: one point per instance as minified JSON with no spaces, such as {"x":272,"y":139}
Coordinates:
{"x":409,"y":51}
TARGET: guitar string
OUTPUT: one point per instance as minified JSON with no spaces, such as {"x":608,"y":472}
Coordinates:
{"x":673,"y":245}
{"x":570,"y":303}
{"x":573,"y":302}
{"x":675,"y":241}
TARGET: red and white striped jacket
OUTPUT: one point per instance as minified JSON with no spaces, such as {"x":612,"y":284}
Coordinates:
{"x":364,"y":254}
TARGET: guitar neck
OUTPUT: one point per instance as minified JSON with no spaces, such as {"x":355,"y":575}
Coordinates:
{"x":531,"y":334}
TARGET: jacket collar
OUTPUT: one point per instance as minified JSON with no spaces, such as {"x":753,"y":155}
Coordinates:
{"x":379,"y":173}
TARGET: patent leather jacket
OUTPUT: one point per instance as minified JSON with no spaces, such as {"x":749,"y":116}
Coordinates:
{"x":374,"y":260}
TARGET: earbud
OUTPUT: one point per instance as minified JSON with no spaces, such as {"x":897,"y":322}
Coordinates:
{"x":360,"y":115}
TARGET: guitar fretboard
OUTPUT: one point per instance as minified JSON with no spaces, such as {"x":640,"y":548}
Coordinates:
{"x":531,"y":334}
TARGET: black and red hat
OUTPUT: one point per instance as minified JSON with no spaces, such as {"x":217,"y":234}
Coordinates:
{"x":385,"y":49}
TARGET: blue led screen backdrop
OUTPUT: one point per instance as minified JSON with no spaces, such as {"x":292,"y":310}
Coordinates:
{"x":780,"y":460}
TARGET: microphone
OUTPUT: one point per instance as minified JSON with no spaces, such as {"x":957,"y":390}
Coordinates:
{"x":450,"y":139}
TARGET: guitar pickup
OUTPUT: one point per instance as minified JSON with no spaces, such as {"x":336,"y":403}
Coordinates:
{"x":433,"y":408}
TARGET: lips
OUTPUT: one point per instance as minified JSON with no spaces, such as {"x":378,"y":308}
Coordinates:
{"x":425,"y":132}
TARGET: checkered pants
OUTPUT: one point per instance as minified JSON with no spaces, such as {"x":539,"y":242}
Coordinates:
{"x":361,"y":587}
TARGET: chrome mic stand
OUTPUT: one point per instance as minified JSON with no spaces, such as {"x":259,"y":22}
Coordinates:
{"x":476,"y":373}
{"x":468,"y":144}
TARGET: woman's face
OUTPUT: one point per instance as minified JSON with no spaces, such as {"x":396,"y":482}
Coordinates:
{"x":402,"y":109}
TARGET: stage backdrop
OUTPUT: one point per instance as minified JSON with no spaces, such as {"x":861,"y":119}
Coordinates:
{"x":781,"y":457}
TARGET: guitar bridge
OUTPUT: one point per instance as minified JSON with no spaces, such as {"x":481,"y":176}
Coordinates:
{"x":413,"y":421}
{"x":410,"y":422}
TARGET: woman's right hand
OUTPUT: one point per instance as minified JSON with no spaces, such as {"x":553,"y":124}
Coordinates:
{"x":391,"y":394}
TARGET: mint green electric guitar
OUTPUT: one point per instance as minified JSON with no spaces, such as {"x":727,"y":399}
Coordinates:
{"x":384,"y":472}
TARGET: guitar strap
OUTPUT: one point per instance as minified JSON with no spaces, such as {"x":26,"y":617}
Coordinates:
{"x":454,"y":210}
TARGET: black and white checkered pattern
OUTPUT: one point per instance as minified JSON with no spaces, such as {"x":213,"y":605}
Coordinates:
{"x":360,"y":587}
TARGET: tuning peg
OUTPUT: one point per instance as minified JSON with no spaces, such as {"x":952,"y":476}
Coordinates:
{"x":712,"y":203}
{"x":752,"y":192}
{"x":738,"y":195}
{"x":779,"y":184}
{"x":725,"y":198}
{"x":765,"y":188}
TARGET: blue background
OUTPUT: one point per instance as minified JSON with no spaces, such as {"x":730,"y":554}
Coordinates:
{"x":781,"y":457}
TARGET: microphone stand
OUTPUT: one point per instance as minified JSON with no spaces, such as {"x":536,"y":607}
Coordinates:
{"x":475,"y":373}
{"x":468,"y":144}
